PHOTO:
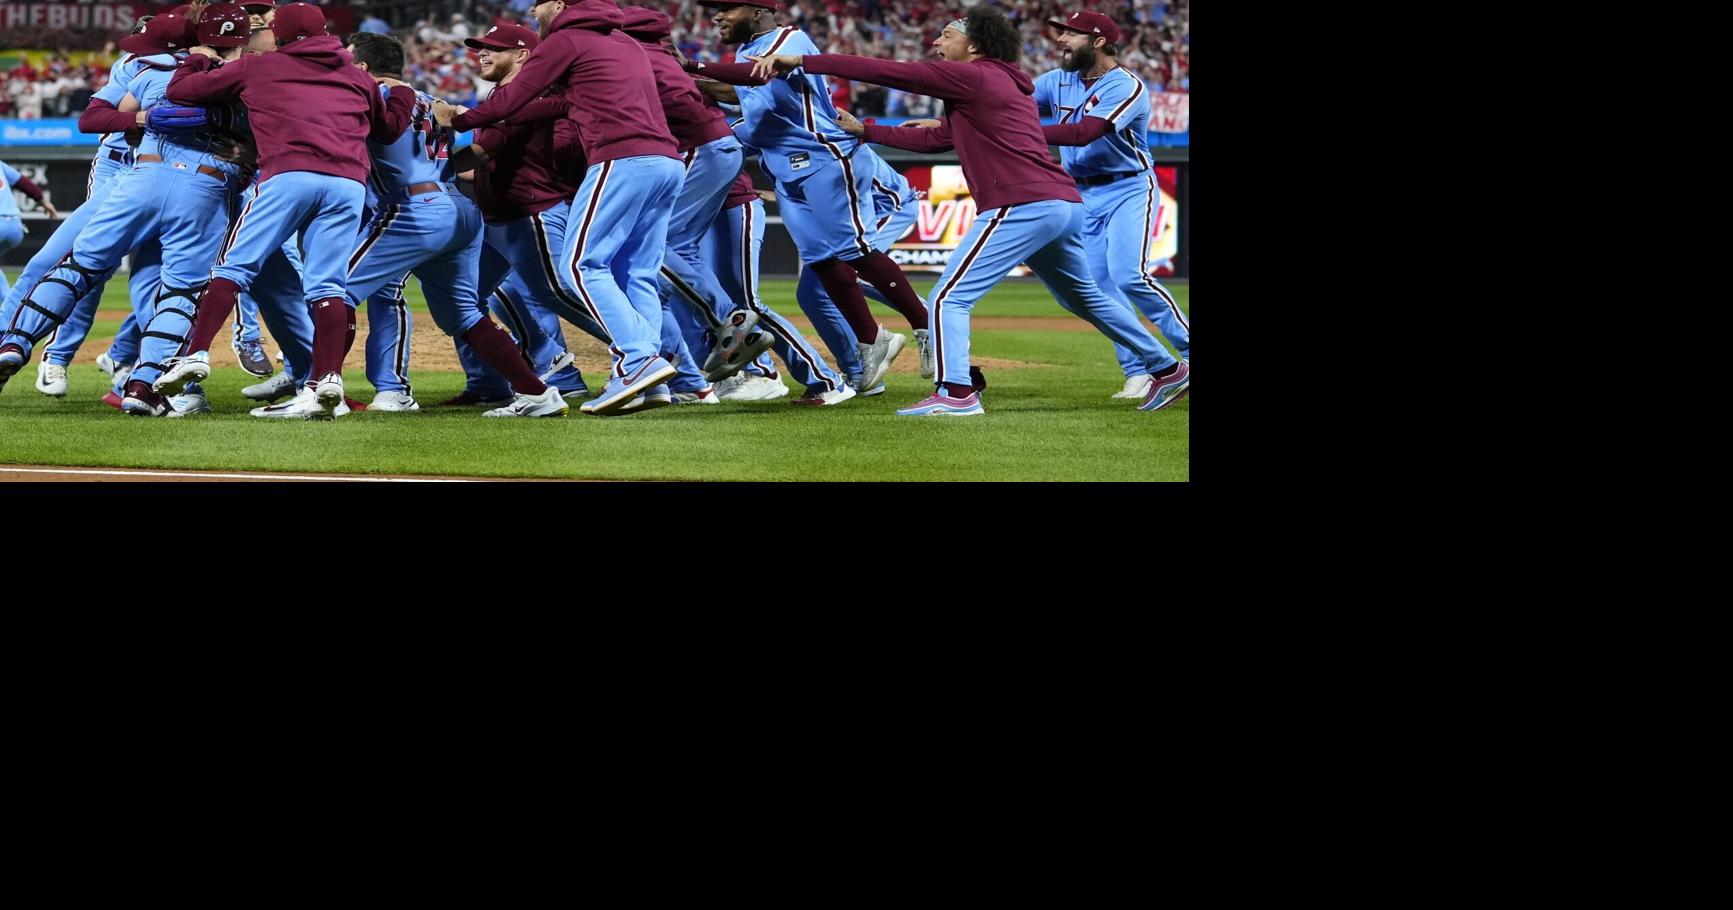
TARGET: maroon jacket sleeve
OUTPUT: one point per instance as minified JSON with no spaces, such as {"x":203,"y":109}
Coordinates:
{"x":1091,"y":129}
{"x":101,"y":117}
{"x":551,"y":107}
{"x":29,"y":188}
{"x":912,"y":138}
{"x":731,"y":73}
{"x":543,"y":68}
{"x":194,"y":81}
{"x":942,"y":79}
{"x":391,"y":118}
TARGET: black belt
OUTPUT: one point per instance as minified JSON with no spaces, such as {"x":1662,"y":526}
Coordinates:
{"x":1108,"y":178}
{"x":118,"y":156}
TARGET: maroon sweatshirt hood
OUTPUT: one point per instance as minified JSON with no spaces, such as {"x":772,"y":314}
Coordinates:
{"x":592,"y":15}
{"x":1019,"y":77}
{"x":324,"y":50}
{"x":646,"y":24}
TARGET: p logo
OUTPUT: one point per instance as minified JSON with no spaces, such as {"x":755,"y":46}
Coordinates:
{"x":227,"y":27}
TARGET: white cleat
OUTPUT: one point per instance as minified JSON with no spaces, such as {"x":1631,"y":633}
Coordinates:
{"x":304,"y":406}
{"x":547,"y":404}
{"x":51,"y":379}
{"x":876,"y":357}
{"x":747,"y":387}
{"x":330,"y":391}
{"x":190,"y":402}
{"x":1135,"y":387}
{"x":271,"y":389}
{"x":393,"y":401}
{"x":106,"y":364}
{"x":706,"y":395}
{"x":566,"y":359}
{"x":820,"y":398}
{"x":195,"y":367}
{"x":929,"y":361}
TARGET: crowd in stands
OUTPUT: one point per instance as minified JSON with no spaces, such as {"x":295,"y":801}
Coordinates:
{"x":1156,"y":45}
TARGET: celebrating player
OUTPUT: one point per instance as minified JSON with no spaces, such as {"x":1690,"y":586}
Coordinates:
{"x":1103,"y":112}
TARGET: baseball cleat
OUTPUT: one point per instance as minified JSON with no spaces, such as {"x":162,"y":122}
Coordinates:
{"x":194,"y":367}
{"x":977,"y":379}
{"x":582,"y":391}
{"x":271,"y":389}
{"x":106,"y":364}
{"x":652,"y":398}
{"x":929,"y":361}
{"x":939,"y":404}
{"x":739,"y":341}
{"x":1135,"y":387}
{"x":51,"y":379}
{"x":12,"y":360}
{"x":622,"y":389}
{"x":547,"y":404}
{"x":876,"y":358}
{"x":304,"y":406}
{"x":566,"y":359}
{"x":746,"y":387}
{"x":190,"y":402}
{"x":330,"y":390}
{"x":394,"y":402}
{"x":875,"y":391}
{"x":466,"y":398}
{"x":253,"y":358}
{"x":121,"y":376}
{"x":818,"y":397}
{"x":1165,"y":390}
{"x":706,"y":395}
{"x":143,"y":401}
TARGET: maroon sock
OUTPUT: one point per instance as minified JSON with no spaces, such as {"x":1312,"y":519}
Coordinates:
{"x":333,"y":327}
{"x":349,"y":339}
{"x":882,"y":272}
{"x":959,"y":391}
{"x":838,"y":280}
{"x":215,"y":305}
{"x":494,"y":344}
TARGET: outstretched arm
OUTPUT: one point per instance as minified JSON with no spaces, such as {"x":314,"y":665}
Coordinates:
{"x":195,"y":82}
{"x":102,"y":117}
{"x":944,"y":80}
{"x":914,"y":139}
{"x":731,"y":73}
{"x":1089,"y":130}
{"x":543,"y":68}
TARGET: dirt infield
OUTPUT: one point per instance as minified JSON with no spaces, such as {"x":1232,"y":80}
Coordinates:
{"x":430,"y":349}
{"x":56,"y":474}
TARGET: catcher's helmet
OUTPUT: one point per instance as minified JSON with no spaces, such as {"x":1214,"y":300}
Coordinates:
{"x":224,"y":25}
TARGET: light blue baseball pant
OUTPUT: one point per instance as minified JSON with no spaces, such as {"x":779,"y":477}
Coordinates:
{"x":171,"y":201}
{"x":283,"y":308}
{"x":62,"y":345}
{"x":721,"y":248}
{"x":325,"y":211}
{"x":827,"y":320}
{"x":830,"y":213}
{"x":511,"y":308}
{"x":516,"y":255}
{"x":11,"y":234}
{"x":613,"y":252}
{"x":1119,"y":223}
{"x":710,"y":171}
{"x":390,"y":326}
{"x":246,"y":328}
{"x":437,"y":237}
{"x":1048,"y":236}
{"x":733,"y":248}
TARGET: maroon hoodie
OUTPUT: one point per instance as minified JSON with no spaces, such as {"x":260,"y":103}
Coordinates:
{"x":309,"y":107}
{"x":691,"y":122}
{"x":990,"y":118}
{"x":610,"y":89}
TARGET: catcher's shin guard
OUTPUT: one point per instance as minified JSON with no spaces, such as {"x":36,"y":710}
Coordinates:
{"x":34,"y":320}
{"x":166,"y":335}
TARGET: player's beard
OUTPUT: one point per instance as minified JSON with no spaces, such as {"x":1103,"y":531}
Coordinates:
{"x":1081,"y":60}
{"x":738,"y":33}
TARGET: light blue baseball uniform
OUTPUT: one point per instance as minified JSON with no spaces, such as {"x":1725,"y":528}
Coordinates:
{"x":823,"y":190}
{"x":181,"y":200}
{"x":11,"y":227}
{"x":1120,"y":215}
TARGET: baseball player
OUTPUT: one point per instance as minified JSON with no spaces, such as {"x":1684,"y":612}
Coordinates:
{"x":1103,"y":113}
{"x":615,"y":242}
{"x":818,"y":168}
{"x":525,"y":173}
{"x":11,"y":224}
{"x":1030,"y":209}
{"x":312,"y":114}
{"x":178,"y":194}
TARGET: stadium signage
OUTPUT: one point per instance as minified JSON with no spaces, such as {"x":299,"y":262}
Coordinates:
{"x":73,"y":15}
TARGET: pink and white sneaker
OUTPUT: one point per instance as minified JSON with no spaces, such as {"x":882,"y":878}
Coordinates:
{"x":939,"y":404}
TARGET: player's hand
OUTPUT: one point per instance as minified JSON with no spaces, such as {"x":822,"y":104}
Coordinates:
{"x":770,"y":67}
{"x":920,"y":124}
{"x":204,"y":51}
{"x":849,"y":125}
{"x":53,"y":212}
{"x":444,"y":113}
{"x":766,"y":195}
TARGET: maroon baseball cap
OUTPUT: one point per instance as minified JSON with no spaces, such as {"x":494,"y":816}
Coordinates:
{"x":505,"y":38}
{"x":1089,"y":23}
{"x":224,"y":25}
{"x":298,"y":20}
{"x":765,"y":4}
{"x":163,"y":34}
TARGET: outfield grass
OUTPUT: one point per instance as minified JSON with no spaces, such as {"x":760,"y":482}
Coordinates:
{"x":1048,"y":422}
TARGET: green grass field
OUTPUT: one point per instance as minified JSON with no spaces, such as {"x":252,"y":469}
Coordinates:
{"x":1050,"y":420}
